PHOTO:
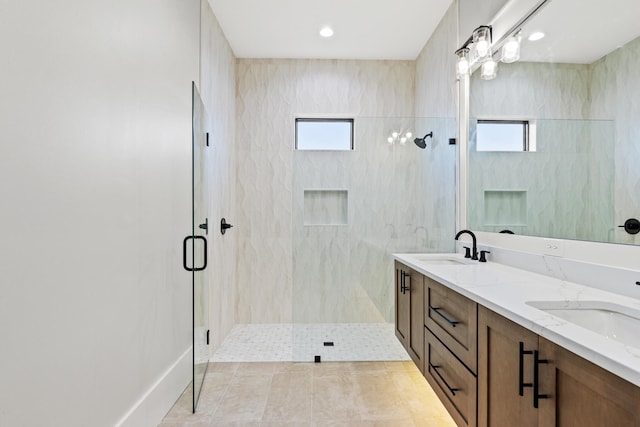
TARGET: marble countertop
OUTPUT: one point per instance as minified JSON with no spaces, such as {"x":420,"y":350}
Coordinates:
{"x":505,"y":290}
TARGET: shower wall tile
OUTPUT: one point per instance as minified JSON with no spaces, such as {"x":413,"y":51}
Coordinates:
{"x":266,"y":263}
{"x":276,"y":250}
{"x":264,"y":193}
{"x":217,"y":89}
{"x":593,"y":158}
{"x":615,"y":91}
{"x":435,"y":192}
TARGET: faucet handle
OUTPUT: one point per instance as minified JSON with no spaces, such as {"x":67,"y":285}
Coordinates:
{"x":467,"y":252}
{"x":482,"y":256}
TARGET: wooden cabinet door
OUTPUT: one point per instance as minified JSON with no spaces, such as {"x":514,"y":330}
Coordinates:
{"x":416,"y":318}
{"x":402,"y":305}
{"x":452,"y":381}
{"x":582,"y":394}
{"x":453,"y":319}
{"x":499,"y":367}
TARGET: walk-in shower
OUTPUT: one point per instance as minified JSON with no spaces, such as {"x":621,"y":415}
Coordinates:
{"x":351,"y":211}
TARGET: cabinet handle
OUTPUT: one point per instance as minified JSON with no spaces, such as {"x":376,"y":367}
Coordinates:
{"x":435,"y":369}
{"x":403,"y":281}
{"x":449,"y":321}
{"x":521,"y":383}
{"x":536,"y":371}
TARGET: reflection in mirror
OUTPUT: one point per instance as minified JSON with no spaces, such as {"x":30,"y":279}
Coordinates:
{"x":580,"y":84}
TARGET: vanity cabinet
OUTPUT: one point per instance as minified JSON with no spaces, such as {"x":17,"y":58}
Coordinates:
{"x":402,"y":305}
{"x":505,"y":369}
{"x":489,"y":371}
{"x":515,"y":365}
{"x":582,"y":394}
{"x":452,"y":318}
{"x":450,"y":328}
{"x":410,"y":312}
{"x":451,"y":380}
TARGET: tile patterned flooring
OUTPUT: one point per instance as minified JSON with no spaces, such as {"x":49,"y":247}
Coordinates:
{"x":285,"y":342}
{"x":312,"y":394}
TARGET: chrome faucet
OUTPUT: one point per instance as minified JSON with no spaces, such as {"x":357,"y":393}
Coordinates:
{"x":474,"y":251}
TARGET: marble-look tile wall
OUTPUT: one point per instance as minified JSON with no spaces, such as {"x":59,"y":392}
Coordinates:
{"x":217,"y":89}
{"x":569,"y":175}
{"x":615,"y":94}
{"x":436,"y":97}
{"x":270,"y":94}
{"x":343,"y":273}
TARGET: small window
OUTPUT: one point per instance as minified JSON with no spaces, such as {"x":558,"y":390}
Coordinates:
{"x":504,"y":135}
{"x":324,"y":134}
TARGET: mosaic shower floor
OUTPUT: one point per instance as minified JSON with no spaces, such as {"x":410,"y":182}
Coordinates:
{"x":275,"y":343}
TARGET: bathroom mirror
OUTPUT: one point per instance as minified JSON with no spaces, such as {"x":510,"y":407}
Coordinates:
{"x":579,"y":89}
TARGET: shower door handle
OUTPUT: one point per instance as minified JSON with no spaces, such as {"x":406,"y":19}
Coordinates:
{"x":184,"y":253}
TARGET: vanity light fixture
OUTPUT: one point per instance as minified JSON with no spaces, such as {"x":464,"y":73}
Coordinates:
{"x":462,"y":65}
{"x":511,"y":49}
{"x":401,"y":137}
{"x":481,"y":42}
{"x":326,"y":31}
{"x":489,"y":69}
{"x":475,"y":50}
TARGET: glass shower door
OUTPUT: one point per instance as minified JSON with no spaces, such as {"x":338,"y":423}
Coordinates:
{"x":198,"y":246}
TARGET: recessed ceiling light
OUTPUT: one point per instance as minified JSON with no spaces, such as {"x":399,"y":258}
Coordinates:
{"x":326,"y":32}
{"x":536,"y":36}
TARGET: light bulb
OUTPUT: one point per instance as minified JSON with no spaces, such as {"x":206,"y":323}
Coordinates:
{"x":511,"y":50}
{"x":482,"y":41}
{"x":463,"y":66}
{"x":482,"y":47}
{"x":390,"y":140}
{"x":489,"y":68}
{"x":403,"y":140}
{"x":409,"y":134}
{"x":394,"y":134}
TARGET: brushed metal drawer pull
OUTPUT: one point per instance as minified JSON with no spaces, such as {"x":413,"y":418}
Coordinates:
{"x":435,"y":369}
{"x":449,"y":321}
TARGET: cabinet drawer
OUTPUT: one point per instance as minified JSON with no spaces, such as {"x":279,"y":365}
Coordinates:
{"x":453,"y":318}
{"x":451,"y":380}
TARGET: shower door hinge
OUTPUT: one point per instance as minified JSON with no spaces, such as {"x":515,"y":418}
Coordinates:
{"x":208,"y":336}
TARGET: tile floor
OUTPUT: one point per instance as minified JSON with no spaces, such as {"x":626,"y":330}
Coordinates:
{"x":312,"y":394}
{"x":284,"y":342}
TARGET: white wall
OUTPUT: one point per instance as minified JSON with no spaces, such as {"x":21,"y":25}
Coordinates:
{"x":95,"y":130}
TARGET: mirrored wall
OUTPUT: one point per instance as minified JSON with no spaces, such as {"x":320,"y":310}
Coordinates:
{"x":578,"y":84}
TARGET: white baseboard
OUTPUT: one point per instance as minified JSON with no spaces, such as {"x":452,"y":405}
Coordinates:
{"x":151,"y":408}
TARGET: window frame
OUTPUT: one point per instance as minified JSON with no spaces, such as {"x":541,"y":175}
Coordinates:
{"x":349,"y":120}
{"x":528,"y":137}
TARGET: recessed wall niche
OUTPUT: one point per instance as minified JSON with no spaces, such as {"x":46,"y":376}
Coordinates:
{"x":505,"y":207}
{"x":326,"y":207}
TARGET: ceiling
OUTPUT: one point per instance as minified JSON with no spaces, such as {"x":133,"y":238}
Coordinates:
{"x":581,"y":31}
{"x":364,"y":29}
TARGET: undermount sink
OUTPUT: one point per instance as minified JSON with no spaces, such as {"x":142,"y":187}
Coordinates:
{"x":613,"y":321}
{"x":442,"y":259}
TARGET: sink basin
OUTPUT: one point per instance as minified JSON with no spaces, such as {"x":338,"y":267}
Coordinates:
{"x":613,"y":321}
{"x":439,"y":259}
